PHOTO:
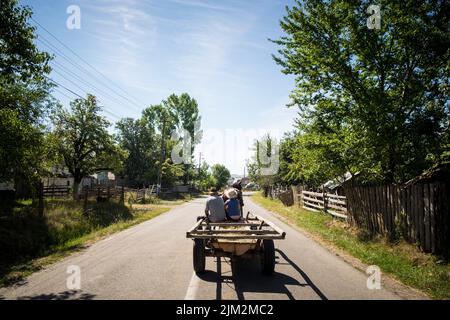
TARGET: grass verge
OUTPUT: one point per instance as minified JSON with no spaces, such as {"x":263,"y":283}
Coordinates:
{"x":28,"y":243}
{"x":401,"y":260}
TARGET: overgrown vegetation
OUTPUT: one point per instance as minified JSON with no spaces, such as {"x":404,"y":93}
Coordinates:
{"x":369,"y":101}
{"x":401,"y":260}
{"x":25,"y":237}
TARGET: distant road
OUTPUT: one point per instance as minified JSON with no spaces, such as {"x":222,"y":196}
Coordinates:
{"x":154,"y":261}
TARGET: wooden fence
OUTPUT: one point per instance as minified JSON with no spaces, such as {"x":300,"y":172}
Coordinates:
{"x":420,"y":213}
{"x":56,"y":191}
{"x":326,"y":202}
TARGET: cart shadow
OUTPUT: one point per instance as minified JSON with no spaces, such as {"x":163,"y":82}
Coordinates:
{"x":245,"y":277}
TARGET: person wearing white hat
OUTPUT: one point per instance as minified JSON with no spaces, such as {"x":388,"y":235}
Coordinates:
{"x":232,"y":205}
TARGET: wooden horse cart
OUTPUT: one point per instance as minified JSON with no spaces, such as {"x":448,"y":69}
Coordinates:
{"x":251,"y":237}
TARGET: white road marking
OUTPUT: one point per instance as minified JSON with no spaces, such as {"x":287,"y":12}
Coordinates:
{"x":193,"y":287}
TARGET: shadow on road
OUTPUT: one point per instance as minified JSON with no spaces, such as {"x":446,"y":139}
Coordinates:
{"x":246,"y":277}
{"x":66,"y":295}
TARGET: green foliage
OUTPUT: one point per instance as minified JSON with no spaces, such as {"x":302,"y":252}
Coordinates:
{"x":24,"y":94}
{"x":139,"y":140}
{"x":265,"y":153}
{"x":220,"y":175}
{"x":374,"y":101}
{"x":83,"y":140}
{"x":149,"y":141}
{"x":203,"y":178}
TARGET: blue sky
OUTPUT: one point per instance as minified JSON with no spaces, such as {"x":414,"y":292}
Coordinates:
{"x":217,"y":51}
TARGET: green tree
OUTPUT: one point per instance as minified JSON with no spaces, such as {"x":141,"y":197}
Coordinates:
{"x":83,"y":140}
{"x":138,"y":139}
{"x":173,"y":116}
{"x":374,"y":101}
{"x":24,"y":94}
{"x":203,"y":178}
{"x":261,"y":168}
{"x":220,"y":174}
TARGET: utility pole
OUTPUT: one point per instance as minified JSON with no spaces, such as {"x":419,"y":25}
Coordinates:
{"x":161,"y":156}
{"x":199,"y":162}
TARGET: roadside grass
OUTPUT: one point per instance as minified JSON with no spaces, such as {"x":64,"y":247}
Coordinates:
{"x":401,"y":260}
{"x":28,"y":242}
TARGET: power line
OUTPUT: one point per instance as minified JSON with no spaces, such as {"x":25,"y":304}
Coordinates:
{"x":88,"y":64}
{"x":70,"y":73}
{"x":62,"y":93}
{"x":75,"y":84}
{"x":81,"y":97}
{"x":55,"y":49}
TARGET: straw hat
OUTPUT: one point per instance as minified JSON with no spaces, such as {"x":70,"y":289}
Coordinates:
{"x":231,"y":193}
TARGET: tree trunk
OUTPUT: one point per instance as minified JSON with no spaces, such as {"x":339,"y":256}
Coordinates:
{"x":76,"y":184}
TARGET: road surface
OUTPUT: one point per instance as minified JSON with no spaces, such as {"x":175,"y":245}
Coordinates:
{"x":153,"y":260}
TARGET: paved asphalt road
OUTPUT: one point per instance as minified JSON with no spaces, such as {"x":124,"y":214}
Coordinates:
{"x":154,"y":261}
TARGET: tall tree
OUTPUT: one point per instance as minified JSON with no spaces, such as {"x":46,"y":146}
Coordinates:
{"x":220,"y":174}
{"x":138,"y":140}
{"x":174,"y":115}
{"x":24,"y":94}
{"x":375,"y":99}
{"x":83,"y":138}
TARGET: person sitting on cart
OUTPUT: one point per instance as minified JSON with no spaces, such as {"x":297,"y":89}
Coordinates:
{"x":232,"y":205}
{"x":215,"y":208}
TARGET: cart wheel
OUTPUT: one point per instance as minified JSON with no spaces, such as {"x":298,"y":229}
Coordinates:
{"x":199,"y":255}
{"x":268,"y":257}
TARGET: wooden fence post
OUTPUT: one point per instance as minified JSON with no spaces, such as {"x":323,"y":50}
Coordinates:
{"x":40,"y":199}
{"x":122,"y":196}
{"x":85,"y":200}
{"x":325,"y":201}
{"x":301,"y":202}
{"x":294,"y":195}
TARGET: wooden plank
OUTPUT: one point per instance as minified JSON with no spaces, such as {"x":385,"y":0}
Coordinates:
{"x":426,"y":218}
{"x":387,"y":208}
{"x":432,"y":217}
{"x":235,"y":237}
{"x":363,"y":208}
{"x":337,"y":207}
{"x":421,"y":216}
{"x":335,"y":196}
{"x":232,"y":224}
{"x":310,"y":193}
{"x":408,"y":213}
{"x":373,"y":209}
{"x":313,"y":200}
{"x":388,"y":204}
{"x":199,"y":222}
{"x":414,"y":216}
{"x":337,"y":214}
{"x":271,"y":224}
{"x":337,"y":201}
{"x":233,"y":231}
{"x":313,"y":205}
{"x":379,"y":209}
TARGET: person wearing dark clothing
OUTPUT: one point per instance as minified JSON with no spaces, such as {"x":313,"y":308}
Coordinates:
{"x":238,"y":186}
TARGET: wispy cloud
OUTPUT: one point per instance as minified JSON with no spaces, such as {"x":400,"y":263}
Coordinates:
{"x":202,"y":4}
